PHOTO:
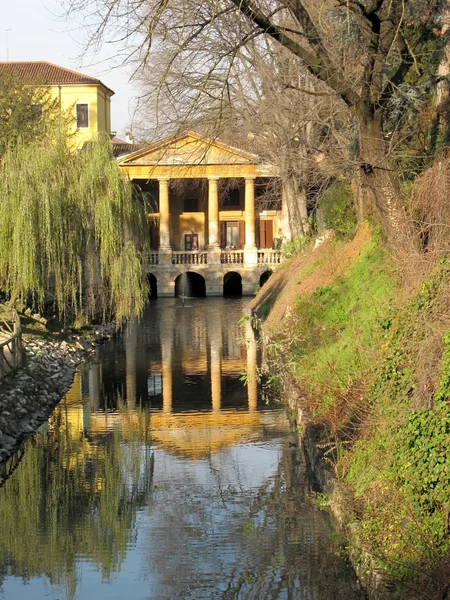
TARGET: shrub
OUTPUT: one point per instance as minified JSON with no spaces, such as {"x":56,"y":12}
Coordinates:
{"x":338,"y":210}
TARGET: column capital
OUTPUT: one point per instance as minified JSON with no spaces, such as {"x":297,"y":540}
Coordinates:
{"x":213,"y":178}
{"x":250,"y":179}
{"x":163,"y":179}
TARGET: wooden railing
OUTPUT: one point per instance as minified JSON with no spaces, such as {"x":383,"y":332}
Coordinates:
{"x":232,"y":257}
{"x":10,"y":342}
{"x":193,"y":257}
{"x":269,"y":257}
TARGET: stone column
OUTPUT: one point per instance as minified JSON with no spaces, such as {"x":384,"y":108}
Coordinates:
{"x":213,"y":221}
{"x":249,"y":213}
{"x":213,"y":212}
{"x":165,"y":250}
{"x":250,"y":251}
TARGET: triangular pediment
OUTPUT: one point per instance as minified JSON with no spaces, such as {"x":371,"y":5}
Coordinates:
{"x":189,"y":149}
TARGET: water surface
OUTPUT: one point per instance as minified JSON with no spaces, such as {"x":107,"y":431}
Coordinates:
{"x":162,"y":476}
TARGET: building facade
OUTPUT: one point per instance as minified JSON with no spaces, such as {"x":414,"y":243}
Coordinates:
{"x":85,"y":97}
{"x":216,"y":214}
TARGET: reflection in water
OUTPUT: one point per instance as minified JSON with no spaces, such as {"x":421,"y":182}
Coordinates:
{"x":160,"y":476}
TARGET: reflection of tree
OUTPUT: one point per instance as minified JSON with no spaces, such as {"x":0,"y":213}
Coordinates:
{"x":70,"y":500}
{"x":281,"y":547}
{"x":287,"y":549}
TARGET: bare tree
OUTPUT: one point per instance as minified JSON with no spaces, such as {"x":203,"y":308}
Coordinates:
{"x":361,"y":51}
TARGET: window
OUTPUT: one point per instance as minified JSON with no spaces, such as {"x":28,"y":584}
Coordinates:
{"x":82,"y":116}
{"x":191,"y":241}
{"x":154,"y":385}
{"x":230,"y":198}
{"x":232,"y":234}
{"x":190,"y":205}
{"x":232,"y":239}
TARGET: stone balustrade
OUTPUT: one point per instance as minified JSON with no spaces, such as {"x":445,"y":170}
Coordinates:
{"x":269,"y":257}
{"x":192,"y":257}
{"x":233,"y":257}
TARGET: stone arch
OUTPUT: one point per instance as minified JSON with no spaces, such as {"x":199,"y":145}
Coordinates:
{"x":190,"y":284}
{"x":264,"y":277}
{"x":232,"y":284}
{"x":153,"y":284}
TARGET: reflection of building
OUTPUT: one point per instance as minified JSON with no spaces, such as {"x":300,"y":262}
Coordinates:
{"x":213,"y":214}
{"x":193,"y":426}
{"x":86,"y":97}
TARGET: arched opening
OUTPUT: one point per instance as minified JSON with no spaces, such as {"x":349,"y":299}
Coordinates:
{"x":264,"y":277}
{"x":232,"y":284}
{"x":153,"y":283}
{"x":190,"y":285}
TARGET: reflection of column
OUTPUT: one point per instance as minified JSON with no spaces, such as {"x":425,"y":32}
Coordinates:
{"x":131,"y":352}
{"x":216,"y":367}
{"x":166,"y":334}
{"x":164,"y":226}
{"x":94,"y":385}
{"x":213,"y":212}
{"x":252,"y":383}
{"x":249,"y":213}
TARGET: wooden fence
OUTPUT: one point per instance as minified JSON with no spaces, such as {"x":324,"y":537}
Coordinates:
{"x":11,"y":346}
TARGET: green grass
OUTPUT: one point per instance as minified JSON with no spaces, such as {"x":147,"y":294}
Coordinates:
{"x":390,"y":439}
{"x":340,"y":326}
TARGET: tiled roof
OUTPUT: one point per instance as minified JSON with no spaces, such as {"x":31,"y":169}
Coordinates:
{"x":120,"y":148}
{"x":46,"y":73}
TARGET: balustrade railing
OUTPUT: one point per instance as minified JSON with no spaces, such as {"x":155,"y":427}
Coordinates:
{"x":193,"y":257}
{"x":11,"y":347}
{"x":269,"y":257}
{"x":235,"y":257}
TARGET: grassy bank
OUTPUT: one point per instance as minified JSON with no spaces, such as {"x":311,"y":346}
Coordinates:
{"x":372,"y":366}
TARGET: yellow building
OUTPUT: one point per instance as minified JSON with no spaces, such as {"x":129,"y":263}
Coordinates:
{"x":212,"y":216}
{"x":86,"y":97}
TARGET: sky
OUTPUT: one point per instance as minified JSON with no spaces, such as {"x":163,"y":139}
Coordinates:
{"x":35,"y":30}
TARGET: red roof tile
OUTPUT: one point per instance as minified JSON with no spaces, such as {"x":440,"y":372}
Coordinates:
{"x":47,"y":73}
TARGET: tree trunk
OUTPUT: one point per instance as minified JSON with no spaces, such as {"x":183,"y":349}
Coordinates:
{"x":380,"y":188}
{"x":443,"y":89}
{"x":297,"y":209}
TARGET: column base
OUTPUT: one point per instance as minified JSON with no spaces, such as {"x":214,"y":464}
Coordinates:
{"x":165,"y":255}
{"x":250,"y":255}
{"x":214,"y":255}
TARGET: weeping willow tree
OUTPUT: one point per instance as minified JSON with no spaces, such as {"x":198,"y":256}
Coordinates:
{"x":71,"y":229}
{"x":30,"y":112}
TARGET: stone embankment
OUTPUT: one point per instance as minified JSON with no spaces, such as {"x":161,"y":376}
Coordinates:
{"x":28,"y":396}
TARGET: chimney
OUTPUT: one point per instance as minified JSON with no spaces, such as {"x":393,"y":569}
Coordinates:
{"x":129,"y":138}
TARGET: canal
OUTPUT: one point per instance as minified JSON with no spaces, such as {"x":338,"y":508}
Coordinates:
{"x":161,"y":475}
